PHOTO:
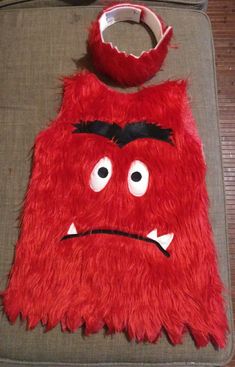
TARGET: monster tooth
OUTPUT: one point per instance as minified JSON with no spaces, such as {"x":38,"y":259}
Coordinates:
{"x":164,"y":240}
{"x":153,"y":235}
{"x":72,"y":229}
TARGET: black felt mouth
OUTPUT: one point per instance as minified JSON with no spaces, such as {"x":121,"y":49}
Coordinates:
{"x":119,"y":233}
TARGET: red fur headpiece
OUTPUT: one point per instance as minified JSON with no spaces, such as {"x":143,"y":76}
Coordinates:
{"x":125,"y":68}
{"x":115,"y":227}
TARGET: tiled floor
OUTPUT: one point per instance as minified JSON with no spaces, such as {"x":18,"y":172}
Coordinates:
{"x":222,"y":15}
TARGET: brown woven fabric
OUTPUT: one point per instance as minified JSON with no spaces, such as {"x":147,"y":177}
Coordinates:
{"x":196,"y":4}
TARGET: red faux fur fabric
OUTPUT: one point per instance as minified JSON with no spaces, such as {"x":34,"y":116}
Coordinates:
{"x":125,"y":68}
{"x":102,"y":279}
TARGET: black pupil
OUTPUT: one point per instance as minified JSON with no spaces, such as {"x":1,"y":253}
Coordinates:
{"x":103,"y":172}
{"x":136,"y":176}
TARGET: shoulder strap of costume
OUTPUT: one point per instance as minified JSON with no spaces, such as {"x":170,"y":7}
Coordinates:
{"x":78,"y":90}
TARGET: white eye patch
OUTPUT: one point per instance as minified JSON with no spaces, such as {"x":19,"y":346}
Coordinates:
{"x":101,"y":174}
{"x":138,"y":178}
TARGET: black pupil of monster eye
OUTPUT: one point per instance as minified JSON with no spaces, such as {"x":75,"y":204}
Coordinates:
{"x":103,"y":172}
{"x":136,"y":176}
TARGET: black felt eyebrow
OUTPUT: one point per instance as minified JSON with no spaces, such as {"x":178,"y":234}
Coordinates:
{"x":123,"y":136}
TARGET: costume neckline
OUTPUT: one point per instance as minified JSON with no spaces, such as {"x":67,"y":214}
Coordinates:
{"x":130,"y":94}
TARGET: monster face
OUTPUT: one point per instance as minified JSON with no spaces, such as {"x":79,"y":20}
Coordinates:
{"x":137,"y":178}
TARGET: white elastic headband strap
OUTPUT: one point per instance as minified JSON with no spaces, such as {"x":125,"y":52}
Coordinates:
{"x":128,"y":12}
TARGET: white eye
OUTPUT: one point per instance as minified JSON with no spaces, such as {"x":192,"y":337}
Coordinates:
{"x":138,"y":178}
{"x":101,"y":174}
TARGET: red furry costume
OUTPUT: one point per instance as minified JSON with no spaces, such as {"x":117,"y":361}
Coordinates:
{"x":85,"y":253}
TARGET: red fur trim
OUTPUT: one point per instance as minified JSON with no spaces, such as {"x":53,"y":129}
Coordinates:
{"x":120,"y":282}
{"x":122,"y":67}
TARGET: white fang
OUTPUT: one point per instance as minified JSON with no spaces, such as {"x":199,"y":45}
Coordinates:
{"x":72,"y":229}
{"x":164,"y":240}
